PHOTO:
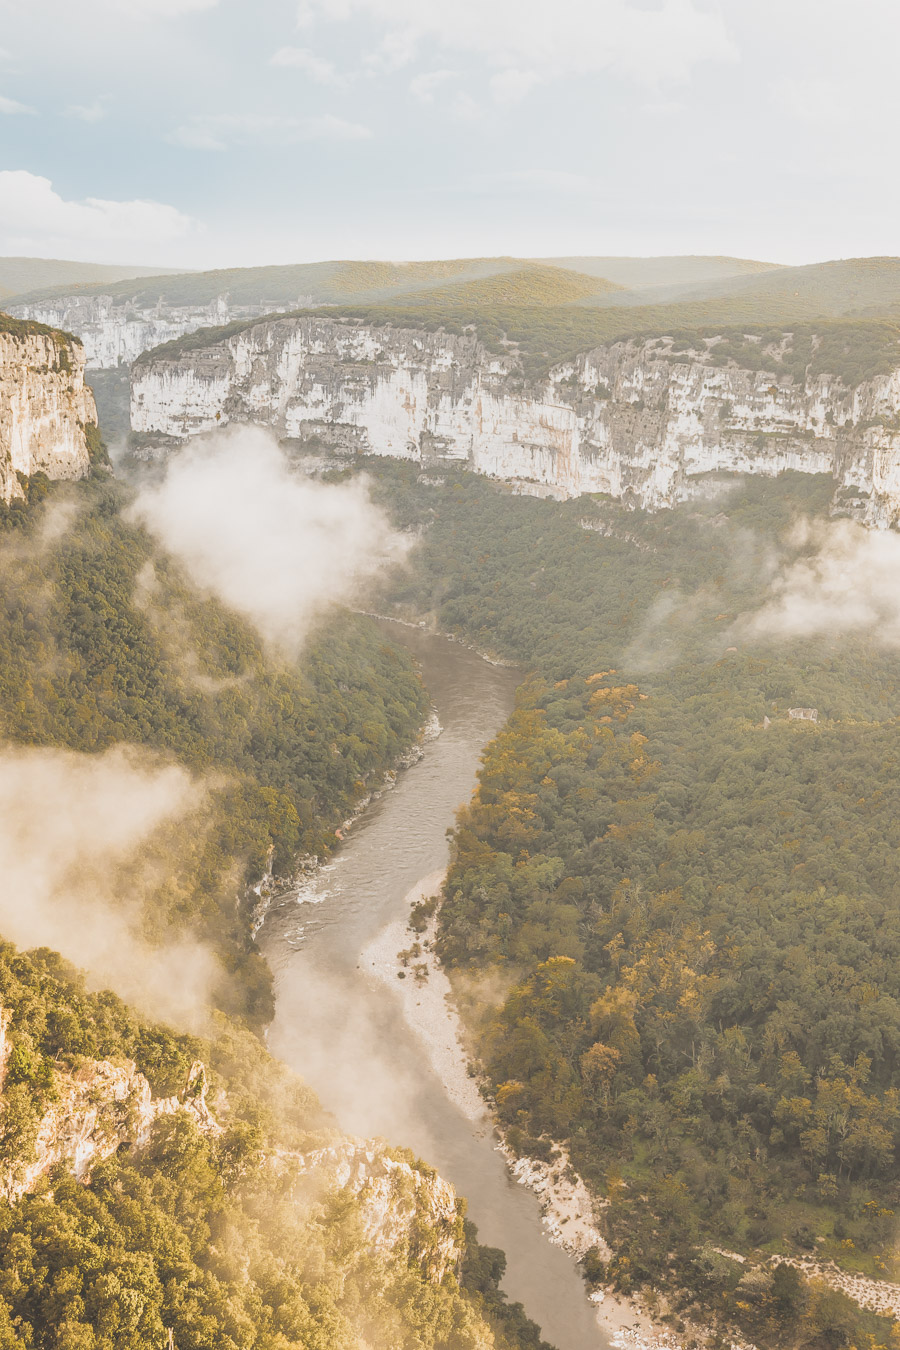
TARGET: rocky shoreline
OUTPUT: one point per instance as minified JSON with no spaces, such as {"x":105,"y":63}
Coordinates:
{"x":568,"y":1209}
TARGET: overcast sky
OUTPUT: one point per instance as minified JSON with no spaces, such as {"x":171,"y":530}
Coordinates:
{"x":211,"y":133}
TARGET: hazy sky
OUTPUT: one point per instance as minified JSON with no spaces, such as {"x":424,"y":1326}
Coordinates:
{"x":215,"y":132}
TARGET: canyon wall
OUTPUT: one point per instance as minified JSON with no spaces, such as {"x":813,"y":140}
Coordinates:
{"x":114,"y":332}
{"x":636,"y":419}
{"x":45,"y":407}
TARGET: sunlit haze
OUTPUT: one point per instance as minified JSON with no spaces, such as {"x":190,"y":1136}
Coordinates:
{"x":202,"y":133}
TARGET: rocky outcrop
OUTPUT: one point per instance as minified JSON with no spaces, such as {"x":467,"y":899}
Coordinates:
{"x":102,"y":1106}
{"x":406,"y":1208}
{"x":97,"y":1109}
{"x":114,"y":332}
{"x":45,"y":407}
{"x":636,"y":420}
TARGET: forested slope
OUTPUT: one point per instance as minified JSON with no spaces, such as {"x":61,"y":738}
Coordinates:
{"x":237,"y":1235}
{"x":237,"y":1228}
{"x":102,"y":642}
{"x":688,"y":899}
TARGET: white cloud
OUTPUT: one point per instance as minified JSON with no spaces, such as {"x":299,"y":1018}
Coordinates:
{"x":574,"y":37}
{"x":278,"y":547}
{"x":218,"y":131}
{"x":316,"y":67}
{"x":844,"y":581}
{"x":159,"y":9}
{"x":36,"y":220}
{"x":511,"y":86}
{"x":466,"y":109}
{"x":88,"y":112}
{"x":73,"y":828}
{"x":424,"y":86}
{"x":10,"y":106}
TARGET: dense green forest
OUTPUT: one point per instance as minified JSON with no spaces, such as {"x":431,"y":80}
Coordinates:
{"x":102,"y":641}
{"x":687,"y":900}
{"x":221,"y":1239}
{"x":225,"y":1240}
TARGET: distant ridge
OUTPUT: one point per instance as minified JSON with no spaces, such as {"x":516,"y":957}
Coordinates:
{"x":648,"y":273}
{"x":345,"y":281}
{"x":18,"y":275}
{"x":842,"y":286}
{"x":538,"y":284}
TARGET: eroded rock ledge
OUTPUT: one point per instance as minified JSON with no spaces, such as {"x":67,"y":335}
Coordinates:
{"x":45,"y":408}
{"x":635,"y":419}
{"x":103,"y":1106}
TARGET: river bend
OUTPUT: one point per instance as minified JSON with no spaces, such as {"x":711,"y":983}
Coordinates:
{"x":344,"y":1031}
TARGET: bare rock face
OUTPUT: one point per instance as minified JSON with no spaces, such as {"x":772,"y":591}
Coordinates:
{"x":45,"y":406}
{"x":406,"y":1208}
{"x":115,"y":331}
{"x":97,"y":1108}
{"x":633,"y":419}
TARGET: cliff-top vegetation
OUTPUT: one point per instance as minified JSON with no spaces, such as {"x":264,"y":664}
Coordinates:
{"x":21,"y":328}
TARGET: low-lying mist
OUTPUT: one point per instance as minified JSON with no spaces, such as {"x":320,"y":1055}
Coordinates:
{"x":68,"y":824}
{"x":273,"y":545}
{"x":846,"y":580}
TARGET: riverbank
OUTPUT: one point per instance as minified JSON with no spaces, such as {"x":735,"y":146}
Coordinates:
{"x":308,"y":867}
{"x":405,"y":962}
{"x":422,"y":626}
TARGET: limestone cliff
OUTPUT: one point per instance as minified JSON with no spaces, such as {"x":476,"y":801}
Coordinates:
{"x":115,"y":332}
{"x":102,"y":1106}
{"x":44,"y":406}
{"x":638,"y":419}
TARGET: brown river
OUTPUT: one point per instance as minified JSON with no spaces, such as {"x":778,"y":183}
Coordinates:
{"x":345,"y":1031}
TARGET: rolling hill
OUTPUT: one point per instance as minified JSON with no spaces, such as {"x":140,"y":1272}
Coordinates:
{"x":18,"y":275}
{"x":845,"y":286}
{"x":373,"y":282}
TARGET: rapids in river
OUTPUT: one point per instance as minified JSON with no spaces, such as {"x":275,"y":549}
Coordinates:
{"x":340,"y":1027}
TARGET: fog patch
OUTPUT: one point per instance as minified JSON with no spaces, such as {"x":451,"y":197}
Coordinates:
{"x":69,"y":824}
{"x":846,"y":581}
{"x":175,"y":633}
{"x":659,"y":642}
{"x":275,"y":546}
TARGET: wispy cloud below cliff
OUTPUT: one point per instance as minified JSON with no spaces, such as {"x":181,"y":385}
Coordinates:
{"x":275,"y":546}
{"x":845,"y":580}
{"x":69,"y":824}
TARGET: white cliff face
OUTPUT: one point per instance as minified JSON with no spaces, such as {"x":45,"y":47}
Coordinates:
{"x":406,"y":1210}
{"x":45,"y":406}
{"x":115,"y":333}
{"x":98,"y":1107}
{"x":633,"y":419}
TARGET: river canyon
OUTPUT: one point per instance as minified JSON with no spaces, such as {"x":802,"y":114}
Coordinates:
{"x":339,"y":1025}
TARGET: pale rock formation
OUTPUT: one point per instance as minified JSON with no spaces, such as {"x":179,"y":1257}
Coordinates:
{"x":115,"y":332}
{"x":45,"y":406}
{"x":634,"y":419}
{"x":405,"y":1209}
{"x":102,"y":1106}
{"x":99,"y":1107}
